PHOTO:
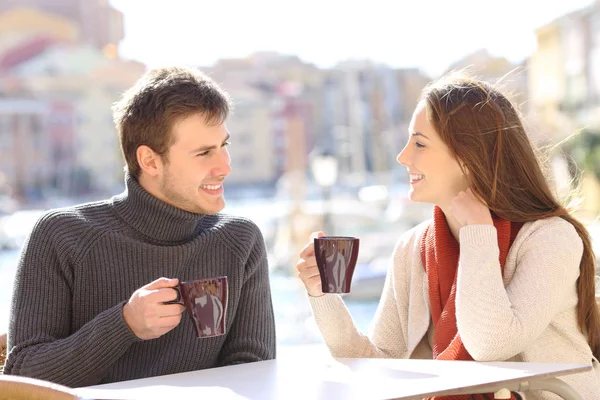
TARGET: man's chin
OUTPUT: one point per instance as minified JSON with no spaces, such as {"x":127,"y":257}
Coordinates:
{"x":214,"y":208}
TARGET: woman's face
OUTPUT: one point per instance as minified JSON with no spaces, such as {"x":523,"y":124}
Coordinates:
{"x":435,"y":175}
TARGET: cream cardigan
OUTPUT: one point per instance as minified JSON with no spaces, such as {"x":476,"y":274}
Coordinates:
{"x":529,"y":316}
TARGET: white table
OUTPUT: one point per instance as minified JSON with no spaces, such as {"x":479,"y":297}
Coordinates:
{"x":304,"y":375}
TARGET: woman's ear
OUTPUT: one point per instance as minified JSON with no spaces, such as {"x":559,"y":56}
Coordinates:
{"x":463,"y":167}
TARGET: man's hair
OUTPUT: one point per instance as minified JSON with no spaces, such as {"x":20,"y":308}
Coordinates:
{"x":147,"y":112}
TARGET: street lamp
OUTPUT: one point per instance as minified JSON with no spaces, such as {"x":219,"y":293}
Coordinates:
{"x":324,"y":166}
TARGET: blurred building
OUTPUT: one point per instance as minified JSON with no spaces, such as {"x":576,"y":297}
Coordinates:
{"x":564,"y":73}
{"x":60,"y":133}
{"x":96,"y":22}
{"x":253,"y":160}
{"x":277,"y":111}
{"x":359,"y":111}
{"x":73,"y":75}
{"x":368,"y":109}
{"x":24,"y":146}
{"x":509,"y":77}
{"x":34,"y":29}
{"x":564,"y":85}
{"x":91,"y":83}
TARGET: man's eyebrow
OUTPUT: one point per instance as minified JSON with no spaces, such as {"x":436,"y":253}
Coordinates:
{"x":207,"y":148}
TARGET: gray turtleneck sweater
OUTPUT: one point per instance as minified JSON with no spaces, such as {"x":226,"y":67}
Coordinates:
{"x":80,"y":266}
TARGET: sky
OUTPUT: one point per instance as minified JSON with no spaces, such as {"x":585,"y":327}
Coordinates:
{"x":429,"y":34}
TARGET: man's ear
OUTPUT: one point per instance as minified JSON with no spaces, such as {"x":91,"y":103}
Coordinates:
{"x":149,"y":161}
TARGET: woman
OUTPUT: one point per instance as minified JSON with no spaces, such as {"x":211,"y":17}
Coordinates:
{"x":502,"y":272}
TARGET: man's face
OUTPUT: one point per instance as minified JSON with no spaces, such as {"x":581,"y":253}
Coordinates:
{"x":195,"y":166}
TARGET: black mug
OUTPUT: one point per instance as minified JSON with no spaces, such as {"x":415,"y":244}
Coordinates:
{"x":336,"y":258}
{"x":206,"y":303}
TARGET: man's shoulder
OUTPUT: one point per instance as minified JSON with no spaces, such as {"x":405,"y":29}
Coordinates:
{"x":241,"y":234}
{"x":236,"y":225}
{"x":69,"y":220}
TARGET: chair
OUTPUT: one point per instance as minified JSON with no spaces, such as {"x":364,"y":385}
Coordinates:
{"x":21,"y":388}
{"x":2,"y":351}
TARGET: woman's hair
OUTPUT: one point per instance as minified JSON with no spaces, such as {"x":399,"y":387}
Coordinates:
{"x":485,"y":132}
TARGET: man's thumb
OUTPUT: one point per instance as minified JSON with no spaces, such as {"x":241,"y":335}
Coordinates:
{"x":162,"y":283}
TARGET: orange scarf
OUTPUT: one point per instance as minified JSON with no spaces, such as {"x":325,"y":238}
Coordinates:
{"x":440,"y":255}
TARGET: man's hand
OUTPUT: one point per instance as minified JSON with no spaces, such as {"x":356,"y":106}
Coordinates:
{"x":146,"y":314}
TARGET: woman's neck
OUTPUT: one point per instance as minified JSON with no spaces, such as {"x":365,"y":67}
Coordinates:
{"x":453,"y":223}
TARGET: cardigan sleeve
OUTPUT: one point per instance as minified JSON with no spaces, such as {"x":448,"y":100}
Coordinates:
{"x":496,"y":323}
{"x":388,"y":333}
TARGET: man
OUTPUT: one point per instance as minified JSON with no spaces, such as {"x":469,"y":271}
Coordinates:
{"x":90,"y":291}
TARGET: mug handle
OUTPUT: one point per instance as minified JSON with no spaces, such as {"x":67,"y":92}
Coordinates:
{"x":179,"y":299}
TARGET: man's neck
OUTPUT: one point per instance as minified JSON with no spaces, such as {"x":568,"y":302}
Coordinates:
{"x":155,"y":218}
{"x":150,"y":185}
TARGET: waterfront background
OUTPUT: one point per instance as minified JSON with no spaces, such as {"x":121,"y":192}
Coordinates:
{"x":323,"y":96}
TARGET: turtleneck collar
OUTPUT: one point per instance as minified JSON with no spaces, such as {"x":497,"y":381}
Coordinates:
{"x":154,"y":218}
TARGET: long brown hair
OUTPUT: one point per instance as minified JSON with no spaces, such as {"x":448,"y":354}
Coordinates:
{"x":484,"y":130}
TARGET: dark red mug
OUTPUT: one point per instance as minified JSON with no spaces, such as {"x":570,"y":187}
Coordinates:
{"x":206,"y":303}
{"x":336,"y":259}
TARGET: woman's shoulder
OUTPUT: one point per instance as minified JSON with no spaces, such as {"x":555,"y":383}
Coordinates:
{"x":410,"y":241}
{"x":415,"y":233}
{"x":554,"y":238}
{"x":553,"y":228}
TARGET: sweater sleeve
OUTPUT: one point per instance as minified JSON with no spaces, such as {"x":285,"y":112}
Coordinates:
{"x":386,"y":338}
{"x":496,"y":323}
{"x":41,"y":343}
{"x":252,"y":333}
